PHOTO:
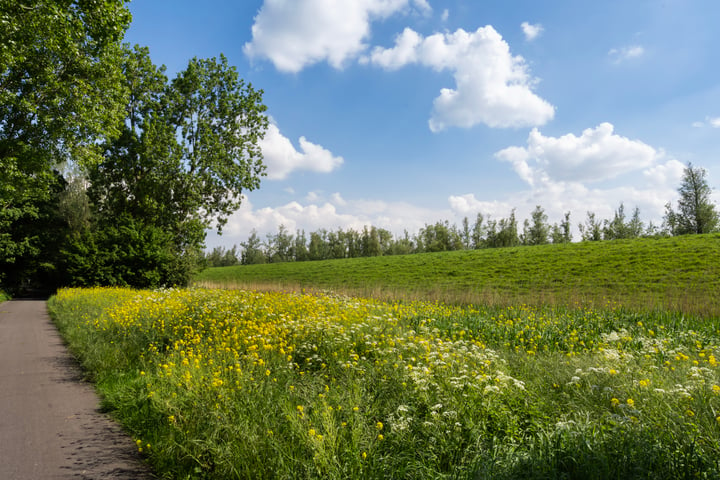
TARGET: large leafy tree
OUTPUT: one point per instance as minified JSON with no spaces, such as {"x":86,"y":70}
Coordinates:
{"x":696,"y":212}
{"x":187,"y":151}
{"x":60,"y":91}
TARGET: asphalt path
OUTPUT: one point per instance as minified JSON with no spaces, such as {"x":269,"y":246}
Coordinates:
{"x":50,"y":423}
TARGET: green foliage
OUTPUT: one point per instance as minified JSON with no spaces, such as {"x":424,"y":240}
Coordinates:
{"x":620,"y":228}
{"x":219,"y":120}
{"x":59,"y":77}
{"x":30,"y":250}
{"x":126,"y":252}
{"x":675,"y":272}
{"x":252,"y":252}
{"x":187,"y":151}
{"x":220,"y":257}
{"x":502,"y":233}
{"x":60,"y":93}
{"x":561,"y":233}
{"x":538,"y":232}
{"x":591,"y":230}
{"x":440,"y":237}
{"x":696,"y":213}
{"x":242,"y":384}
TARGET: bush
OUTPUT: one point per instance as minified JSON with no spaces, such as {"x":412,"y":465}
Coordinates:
{"x":126,"y":253}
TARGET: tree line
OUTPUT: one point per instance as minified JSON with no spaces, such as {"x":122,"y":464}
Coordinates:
{"x":111,"y":172}
{"x":695,"y":213}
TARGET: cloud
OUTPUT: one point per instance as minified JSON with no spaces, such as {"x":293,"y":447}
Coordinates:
{"x":578,"y":199}
{"x":531,"y":31}
{"x":293,"y":34}
{"x":564,"y":173}
{"x":445,"y":15}
{"x":324,"y":214}
{"x":468,"y":204}
{"x":337,"y":199}
{"x":492,"y":86}
{"x":668,"y":174}
{"x":713,"y":122}
{"x":597,"y":154}
{"x":626,"y":53}
{"x":317,"y":212}
{"x":281,"y":157}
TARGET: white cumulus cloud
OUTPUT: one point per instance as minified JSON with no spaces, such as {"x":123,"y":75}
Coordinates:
{"x":281,"y":157}
{"x":531,"y":31}
{"x":293,"y":34}
{"x":493,"y":87}
{"x":597,"y":154}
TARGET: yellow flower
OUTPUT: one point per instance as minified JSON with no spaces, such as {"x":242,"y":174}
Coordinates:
{"x":379,"y":425}
{"x":614,"y":402}
{"x":380,"y":437}
{"x":716,"y":389}
{"x":364,"y":455}
{"x":630,"y":402}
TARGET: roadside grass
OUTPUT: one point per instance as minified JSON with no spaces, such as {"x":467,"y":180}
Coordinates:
{"x":680,"y":274}
{"x":247,"y":384}
{"x":4,"y":297}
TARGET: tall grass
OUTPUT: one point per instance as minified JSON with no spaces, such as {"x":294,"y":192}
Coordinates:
{"x":248,"y":384}
{"x":702,"y":301}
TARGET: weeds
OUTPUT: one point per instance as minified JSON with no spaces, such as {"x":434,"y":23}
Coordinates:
{"x":248,"y":384}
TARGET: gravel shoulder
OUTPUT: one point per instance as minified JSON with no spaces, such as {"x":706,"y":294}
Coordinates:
{"x":50,"y":423}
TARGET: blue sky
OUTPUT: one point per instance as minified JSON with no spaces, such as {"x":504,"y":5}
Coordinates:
{"x":399,"y":113}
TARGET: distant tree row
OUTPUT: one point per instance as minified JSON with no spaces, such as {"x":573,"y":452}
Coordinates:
{"x":695,"y":213}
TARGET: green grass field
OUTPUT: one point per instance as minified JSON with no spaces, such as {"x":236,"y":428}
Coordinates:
{"x":594,"y":360}
{"x":677,"y":274}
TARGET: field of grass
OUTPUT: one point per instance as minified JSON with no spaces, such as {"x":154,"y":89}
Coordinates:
{"x":222,"y":384}
{"x":677,"y":274}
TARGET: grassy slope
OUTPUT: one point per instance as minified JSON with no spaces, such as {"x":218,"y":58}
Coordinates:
{"x":680,"y":272}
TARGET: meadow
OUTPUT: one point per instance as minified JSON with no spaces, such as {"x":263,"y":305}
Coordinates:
{"x":222,"y":384}
{"x":676,"y":274}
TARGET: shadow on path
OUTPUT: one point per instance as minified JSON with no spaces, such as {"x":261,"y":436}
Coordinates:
{"x":50,"y":423}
